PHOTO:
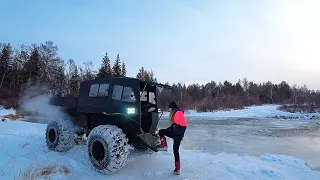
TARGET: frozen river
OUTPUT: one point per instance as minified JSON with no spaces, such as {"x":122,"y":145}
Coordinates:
{"x":297,"y":138}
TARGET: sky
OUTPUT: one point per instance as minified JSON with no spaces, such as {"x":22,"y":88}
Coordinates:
{"x":187,"y":41}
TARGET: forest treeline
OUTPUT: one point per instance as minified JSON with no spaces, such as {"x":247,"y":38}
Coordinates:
{"x":27,"y":65}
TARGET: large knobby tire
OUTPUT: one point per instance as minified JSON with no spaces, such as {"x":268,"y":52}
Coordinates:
{"x":60,"y":135}
{"x":108,"y":149}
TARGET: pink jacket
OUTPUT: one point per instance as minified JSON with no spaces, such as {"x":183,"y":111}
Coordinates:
{"x":180,"y":119}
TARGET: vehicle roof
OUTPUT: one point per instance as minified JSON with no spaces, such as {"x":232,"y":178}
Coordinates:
{"x":135,"y":79}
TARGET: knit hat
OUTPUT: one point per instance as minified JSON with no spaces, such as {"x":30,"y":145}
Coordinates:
{"x":173,"y":105}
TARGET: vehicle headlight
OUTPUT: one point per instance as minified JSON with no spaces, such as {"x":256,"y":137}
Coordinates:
{"x":131,"y":110}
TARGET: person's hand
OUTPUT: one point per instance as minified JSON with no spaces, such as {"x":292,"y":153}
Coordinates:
{"x":174,"y":125}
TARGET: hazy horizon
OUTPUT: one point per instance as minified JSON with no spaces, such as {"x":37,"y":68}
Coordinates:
{"x":181,"y":41}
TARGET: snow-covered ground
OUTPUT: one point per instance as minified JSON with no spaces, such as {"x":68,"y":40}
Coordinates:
{"x":4,"y":112}
{"x":240,"y":144}
{"x":263,"y":111}
{"x":24,"y":154}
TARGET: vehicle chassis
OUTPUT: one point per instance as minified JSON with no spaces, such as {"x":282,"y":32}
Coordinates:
{"x":114,"y":113}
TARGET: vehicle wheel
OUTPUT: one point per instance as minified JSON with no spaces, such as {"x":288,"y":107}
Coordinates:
{"x":108,"y":149}
{"x":60,"y":135}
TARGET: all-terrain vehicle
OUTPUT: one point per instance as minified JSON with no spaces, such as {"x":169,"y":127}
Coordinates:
{"x":115,"y":113}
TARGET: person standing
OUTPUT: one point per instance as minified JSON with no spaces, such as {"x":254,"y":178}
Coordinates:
{"x":175,"y":131}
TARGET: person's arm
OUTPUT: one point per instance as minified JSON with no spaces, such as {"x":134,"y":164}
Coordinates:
{"x":172,"y":126}
{"x":175,"y":121}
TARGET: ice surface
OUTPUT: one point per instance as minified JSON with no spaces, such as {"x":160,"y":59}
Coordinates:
{"x":23,"y":150}
{"x":263,"y":111}
{"x":299,"y":138}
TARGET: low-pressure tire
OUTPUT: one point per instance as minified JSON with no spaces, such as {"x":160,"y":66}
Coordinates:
{"x":60,"y":135}
{"x":108,"y":149}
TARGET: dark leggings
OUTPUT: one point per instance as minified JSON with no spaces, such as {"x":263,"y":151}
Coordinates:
{"x":176,"y":141}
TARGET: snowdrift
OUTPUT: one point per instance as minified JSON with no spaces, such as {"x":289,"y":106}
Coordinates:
{"x":4,"y":112}
{"x":24,"y":155}
{"x":8,"y":114}
{"x":263,"y":111}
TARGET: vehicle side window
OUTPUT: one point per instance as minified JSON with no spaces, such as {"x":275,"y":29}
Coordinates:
{"x":143,"y":96}
{"x":103,"y":90}
{"x":152,"y":98}
{"x":128,"y":95}
{"x":117,"y":92}
{"x":94,"y":90}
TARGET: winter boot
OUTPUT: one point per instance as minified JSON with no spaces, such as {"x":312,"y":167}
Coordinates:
{"x":177,"y":169}
{"x":163,"y":145}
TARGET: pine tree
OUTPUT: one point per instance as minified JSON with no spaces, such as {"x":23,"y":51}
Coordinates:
{"x":152,"y":77}
{"x":124,"y":70}
{"x":140,"y":74}
{"x":49,"y":61}
{"x":145,"y":75}
{"x":105,"y":69}
{"x":238,"y":89}
{"x":4,"y":65}
{"x":32,"y":66}
{"x":60,"y":79}
{"x":74,"y":82}
{"x":117,"y":67}
{"x":4,"y":59}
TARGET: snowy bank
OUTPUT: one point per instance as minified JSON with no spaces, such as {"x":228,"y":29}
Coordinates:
{"x":263,"y":111}
{"x":24,"y":154}
{"x":7,"y":114}
{"x":4,"y":112}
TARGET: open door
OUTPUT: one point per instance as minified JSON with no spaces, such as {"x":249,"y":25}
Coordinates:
{"x":150,"y":114}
